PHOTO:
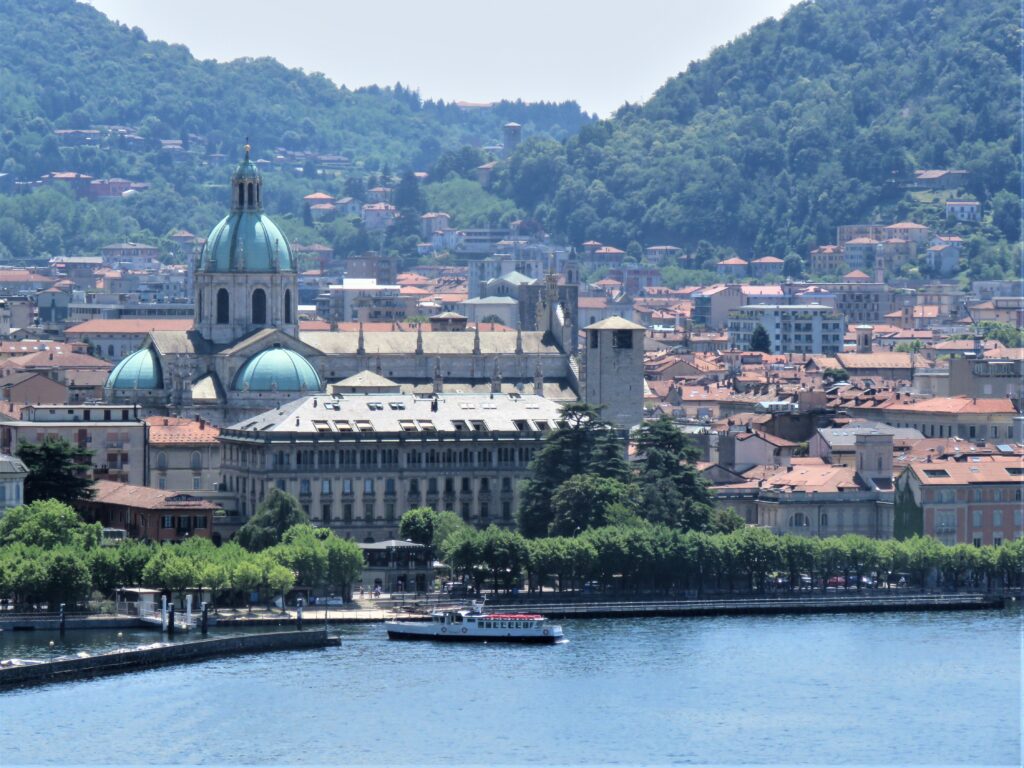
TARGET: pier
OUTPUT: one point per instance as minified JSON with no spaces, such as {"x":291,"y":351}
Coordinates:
{"x":146,"y":658}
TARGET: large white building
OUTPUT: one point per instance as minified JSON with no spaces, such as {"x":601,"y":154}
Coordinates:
{"x":357,"y":461}
{"x":812,"y":329}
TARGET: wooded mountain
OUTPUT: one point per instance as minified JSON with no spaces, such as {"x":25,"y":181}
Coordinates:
{"x":67,"y":65}
{"x":801,"y":124}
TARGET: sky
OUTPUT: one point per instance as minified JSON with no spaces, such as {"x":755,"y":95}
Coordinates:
{"x":600,"y":53}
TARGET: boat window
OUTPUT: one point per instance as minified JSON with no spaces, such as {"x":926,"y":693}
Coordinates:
{"x":471,"y":621}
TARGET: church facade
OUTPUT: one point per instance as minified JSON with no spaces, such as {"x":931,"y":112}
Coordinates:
{"x":246,"y":354}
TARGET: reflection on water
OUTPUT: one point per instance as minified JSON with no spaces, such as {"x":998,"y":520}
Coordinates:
{"x":885,"y":688}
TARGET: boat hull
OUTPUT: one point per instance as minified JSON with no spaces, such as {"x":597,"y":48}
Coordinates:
{"x":474,"y":638}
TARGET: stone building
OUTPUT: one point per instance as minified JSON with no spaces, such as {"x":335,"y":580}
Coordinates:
{"x":246,"y":323}
{"x":357,"y":462}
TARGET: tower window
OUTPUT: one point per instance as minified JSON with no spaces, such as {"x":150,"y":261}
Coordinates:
{"x":223,"y":303}
{"x":593,"y":339}
{"x":288,"y":306}
{"x":622,"y":339}
{"x":259,"y":307}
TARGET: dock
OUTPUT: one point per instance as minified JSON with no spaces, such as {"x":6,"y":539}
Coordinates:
{"x":755,"y":606}
{"x":147,"y":658}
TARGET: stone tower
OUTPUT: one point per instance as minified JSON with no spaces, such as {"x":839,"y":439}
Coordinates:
{"x":614,"y":364}
{"x":245,"y":279}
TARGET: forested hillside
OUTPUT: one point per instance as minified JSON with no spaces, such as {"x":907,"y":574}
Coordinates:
{"x":64,"y":65}
{"x":799,"y":125}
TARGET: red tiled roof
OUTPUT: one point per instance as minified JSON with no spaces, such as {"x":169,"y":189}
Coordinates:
{"x":171,"y":429}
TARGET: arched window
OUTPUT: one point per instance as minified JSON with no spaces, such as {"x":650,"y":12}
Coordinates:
{"x":824,"y":520}
{"x":200,"y":313}
{"x":241,"y":195}
{"x":197,"y":461}
{"x":259,"y":307}
{"x":110,"y":350}
{"x":288,"y":306}
{"x":222,"y":307}
{"x":161,"y":461}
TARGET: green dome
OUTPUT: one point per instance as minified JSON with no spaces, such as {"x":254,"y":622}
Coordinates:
{"x":140,"y":370}
{"x":278,"y":370}
{"x":246,"y":241}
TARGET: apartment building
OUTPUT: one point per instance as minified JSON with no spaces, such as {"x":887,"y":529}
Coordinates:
{"x":978,"y":500}
{"x":812,"y":329}
{"x":115,"y":436}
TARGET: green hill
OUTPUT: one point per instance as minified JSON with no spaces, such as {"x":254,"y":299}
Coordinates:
{"x":801,"y":124}
{"x":64,"y":65}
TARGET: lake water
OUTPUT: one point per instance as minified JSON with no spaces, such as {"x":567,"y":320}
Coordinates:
{"x":891,"y":689}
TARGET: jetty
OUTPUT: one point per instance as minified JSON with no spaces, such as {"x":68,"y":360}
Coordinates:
{"x":756,"y":605}
{"x":129,"y":660}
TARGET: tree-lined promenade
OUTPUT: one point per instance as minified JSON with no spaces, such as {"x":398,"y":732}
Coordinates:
{"x":48,"y":554}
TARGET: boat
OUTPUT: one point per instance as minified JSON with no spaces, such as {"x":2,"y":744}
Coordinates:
{"x":473,"y":624}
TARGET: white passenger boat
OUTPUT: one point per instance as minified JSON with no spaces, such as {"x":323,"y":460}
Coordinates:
{"x":475,"y":625}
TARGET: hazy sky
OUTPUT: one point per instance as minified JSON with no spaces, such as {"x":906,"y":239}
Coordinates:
{"x":601,"y":53}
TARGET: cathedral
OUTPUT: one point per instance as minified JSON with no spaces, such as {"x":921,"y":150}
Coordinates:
{"x":246,"y":352}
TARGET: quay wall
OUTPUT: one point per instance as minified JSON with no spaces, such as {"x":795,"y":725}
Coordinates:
{"x":755,"y":606}
{"x":29,"y":622}
{"x":129,"y":660}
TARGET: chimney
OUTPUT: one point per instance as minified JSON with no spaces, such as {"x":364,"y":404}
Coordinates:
{"x":167,"y":422}
{"x":202,"y":424}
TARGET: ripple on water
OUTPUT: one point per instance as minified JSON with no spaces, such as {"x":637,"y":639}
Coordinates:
{"x":886,"y":688}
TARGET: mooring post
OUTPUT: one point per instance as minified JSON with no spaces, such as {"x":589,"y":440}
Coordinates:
{"x":62,"y":619}
{"x":206,"y":618}
{"x":298,"y":614}
{"x":188,"y":613}
{"x":170,"y":621}
{"x":163,"y":613}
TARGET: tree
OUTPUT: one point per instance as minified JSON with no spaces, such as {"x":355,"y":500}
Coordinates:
{"x":344,"y":565}
{"x":491,"y":319}
{"x":278,"y":512}
{"x":588,"y":501}
{"x":170,"y":570}
{"x":1006,"y":214}
{"x":446,"y":524}
{"x":48,"y":524}
{"x":793,"y":265}
{"x":56,"y":470}
{"x":582,"y":444}
{"x":759,"y":340}
{"x":418,"y":525}
{"x":67,"y":577}
{"x":671,"y":490}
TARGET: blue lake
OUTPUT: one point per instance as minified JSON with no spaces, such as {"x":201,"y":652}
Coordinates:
{"x":884,"y":689}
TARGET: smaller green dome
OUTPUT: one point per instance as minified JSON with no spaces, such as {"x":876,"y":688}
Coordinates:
{"x":280,"y":370}
{"x":140,"y":370}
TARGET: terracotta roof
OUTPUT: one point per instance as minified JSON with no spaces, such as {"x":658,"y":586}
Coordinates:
{"x":141,"y":497}
{"x":171,"y":430}
{"x":734,"y":261}
{"x":948,"y":405}
{"x":998,"y":469}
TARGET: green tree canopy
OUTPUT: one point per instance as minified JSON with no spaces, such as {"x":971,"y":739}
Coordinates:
{"x":278,"y":512}
{"x":582,"y":444}
{"x":56,"y":470}
{"x":759,"y":340}
{"x":48,"y":524}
